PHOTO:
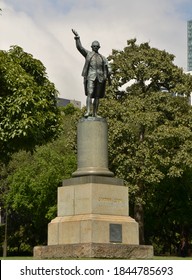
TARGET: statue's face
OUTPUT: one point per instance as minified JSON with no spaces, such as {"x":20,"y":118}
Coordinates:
{"x":95,"y":46}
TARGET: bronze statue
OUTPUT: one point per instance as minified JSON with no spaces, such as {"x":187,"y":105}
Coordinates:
{"x":95,"y":73}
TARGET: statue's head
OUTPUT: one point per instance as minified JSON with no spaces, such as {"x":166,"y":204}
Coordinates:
{"x":95,"y":46}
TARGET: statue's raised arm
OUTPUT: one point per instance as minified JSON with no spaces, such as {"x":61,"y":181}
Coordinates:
{"x":75,"y":33}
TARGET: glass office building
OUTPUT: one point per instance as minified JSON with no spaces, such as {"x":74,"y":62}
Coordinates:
{"x":189,"y":45}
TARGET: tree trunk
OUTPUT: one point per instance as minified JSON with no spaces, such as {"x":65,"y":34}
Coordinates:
{"x":138,"y":208}
{"x":5,"y":238}
{"x":139,"y":217}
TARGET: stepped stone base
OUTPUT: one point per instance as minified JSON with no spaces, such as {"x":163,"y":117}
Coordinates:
{"x":94,"y":250}
{"x":92,"y":228}
{"x":93,"y":207}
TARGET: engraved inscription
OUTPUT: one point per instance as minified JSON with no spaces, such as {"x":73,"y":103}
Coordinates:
{"x":108,"y":199}
{"x":105,"y":199}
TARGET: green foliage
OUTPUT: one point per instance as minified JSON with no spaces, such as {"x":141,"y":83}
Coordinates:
{"x":169,"y":211}
{"x":150,"y":131}
{"x":32,"y":180}
{"x":28,"y":113}
{"x":69,"y":109}
{"x":146,"y":70}
{"x":33,"y":186}
{"x":149,"y":138}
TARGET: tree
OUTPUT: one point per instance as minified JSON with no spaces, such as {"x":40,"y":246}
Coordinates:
{"x":29,"y":116}
{"x":168,"y":210}
{"x":150,"y":132}
{"x":33,"y":181}
{"x":32,"y":197}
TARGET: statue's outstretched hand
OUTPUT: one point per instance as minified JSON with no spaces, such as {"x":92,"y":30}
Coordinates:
{"x":75,"y":33}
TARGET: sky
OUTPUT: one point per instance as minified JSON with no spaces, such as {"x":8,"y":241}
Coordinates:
{"x":43,"y":29}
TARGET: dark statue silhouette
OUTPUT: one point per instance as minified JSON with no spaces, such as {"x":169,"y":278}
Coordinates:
{"x":95,"y":73}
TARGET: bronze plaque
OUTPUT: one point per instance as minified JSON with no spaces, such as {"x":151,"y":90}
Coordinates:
{"x":115,"y":233}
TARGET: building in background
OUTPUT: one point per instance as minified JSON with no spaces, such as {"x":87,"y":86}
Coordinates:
{"x":62,"y":102}
{"x":189,"y":45}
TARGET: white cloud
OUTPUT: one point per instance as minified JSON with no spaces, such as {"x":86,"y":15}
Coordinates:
{"x":43,"y":28}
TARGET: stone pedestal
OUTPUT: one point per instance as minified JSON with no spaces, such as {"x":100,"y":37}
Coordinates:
{"x":94,"y":250}
{"x":93,"y":208}
{"x":92,"y":212}
{"x":92,"y":146}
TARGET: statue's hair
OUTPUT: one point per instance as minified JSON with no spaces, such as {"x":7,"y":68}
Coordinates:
{"x":95,"y":42}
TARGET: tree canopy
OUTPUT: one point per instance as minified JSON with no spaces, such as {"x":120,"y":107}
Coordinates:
{"x":28,"y":113}
{"x":29,"y":116}
{"x":141,"y":69}
{"x":150,"y":131}
{"x":33,"y":181}
{"x":150,"y":147}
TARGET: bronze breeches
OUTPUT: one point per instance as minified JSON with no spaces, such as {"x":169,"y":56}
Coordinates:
{"x":94,"y":89}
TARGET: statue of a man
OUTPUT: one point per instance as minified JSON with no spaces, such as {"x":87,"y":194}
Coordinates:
{"x":95,"y":73}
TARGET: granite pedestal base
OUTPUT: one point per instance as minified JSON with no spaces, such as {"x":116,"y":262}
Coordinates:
{"x":94,"y":250}
{"x":93,"y":221}
{"x":92,"y":228}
